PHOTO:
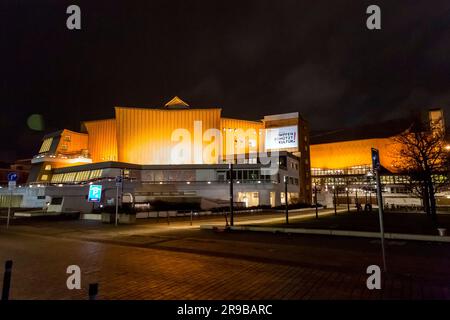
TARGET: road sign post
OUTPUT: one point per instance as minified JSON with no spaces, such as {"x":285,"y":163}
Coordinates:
{"x":12,"y":178}
{"x":376,"y":168}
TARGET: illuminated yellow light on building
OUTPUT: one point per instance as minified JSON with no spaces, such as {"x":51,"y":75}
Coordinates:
{"x":46,"y":144}
{"x":346,"y":154}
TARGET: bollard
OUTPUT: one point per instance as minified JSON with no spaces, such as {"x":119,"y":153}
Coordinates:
{"x":168,"y":218}
{"x":7,"y":280}
{"x":191,"y":217}
{"x":93,"y":291}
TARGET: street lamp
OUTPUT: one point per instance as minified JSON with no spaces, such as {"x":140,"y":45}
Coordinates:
{"x":356,"y":199}
{"x":348,"y":200}
{"x":286,"y":198}
{"x":315,"y":200}
{"x":334,"y":200}
{"x":369,"y":176}
{"x":230,"y":167}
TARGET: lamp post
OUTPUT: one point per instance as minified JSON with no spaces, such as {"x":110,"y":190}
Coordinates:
{"x":369,"y":176}
{"x":230,"y":166}
{"x":315,"y":201}
{"x":348,"y":200}
{"x":116,"y":217}
{"x":286,"y":198}
{"x":334,"y":200}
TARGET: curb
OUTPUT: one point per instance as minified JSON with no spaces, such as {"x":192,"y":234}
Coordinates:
{"x":343,"y":233}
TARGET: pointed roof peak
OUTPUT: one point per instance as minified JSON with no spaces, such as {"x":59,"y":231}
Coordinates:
{"x":176,"y":102}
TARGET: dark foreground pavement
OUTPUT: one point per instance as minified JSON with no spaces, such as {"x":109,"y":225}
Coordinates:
{"x":395,"y":222}
{"x":178,"y":262}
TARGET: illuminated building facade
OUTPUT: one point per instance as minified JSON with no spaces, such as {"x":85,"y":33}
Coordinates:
{"x":341,"y":161}
{"x":176,"y":153}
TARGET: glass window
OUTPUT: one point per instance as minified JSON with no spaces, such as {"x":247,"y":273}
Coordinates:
{"x":46,"y":144}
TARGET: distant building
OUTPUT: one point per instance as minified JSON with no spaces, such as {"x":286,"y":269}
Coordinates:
{"x":341,"y":160}
{"x":21,"y":167}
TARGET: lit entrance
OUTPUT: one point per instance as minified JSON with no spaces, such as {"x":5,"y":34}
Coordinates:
{"x":250,"y":199}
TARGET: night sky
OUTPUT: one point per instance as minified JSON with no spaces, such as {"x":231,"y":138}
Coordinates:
{"x":251,"y":58}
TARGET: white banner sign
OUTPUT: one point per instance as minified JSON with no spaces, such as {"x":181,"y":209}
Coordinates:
{"x":281,"y":138}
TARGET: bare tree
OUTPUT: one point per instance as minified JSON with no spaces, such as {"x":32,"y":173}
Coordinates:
{"x":423,"y":157}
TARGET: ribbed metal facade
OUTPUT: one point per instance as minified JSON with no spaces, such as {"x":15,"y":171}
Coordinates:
{"x":346,"y":154}
{"x":144,"y":135}
{"x":102,"y":140}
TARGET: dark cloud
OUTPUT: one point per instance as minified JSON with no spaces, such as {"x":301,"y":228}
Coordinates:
{"x":249,"y":57}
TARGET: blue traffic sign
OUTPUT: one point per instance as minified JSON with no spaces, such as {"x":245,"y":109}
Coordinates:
{"x":12,"y":176}
{"x":375,"y":159}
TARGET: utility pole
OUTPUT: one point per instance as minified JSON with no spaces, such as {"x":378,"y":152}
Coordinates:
{"x":231,"y":194}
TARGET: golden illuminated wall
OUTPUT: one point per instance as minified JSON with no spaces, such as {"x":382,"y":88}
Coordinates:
{"x":72,"y":142}
{"x":228,"y":125}
{"x":339,"y":155}
{"x":144,"y":135}
{"x":102,"y":142}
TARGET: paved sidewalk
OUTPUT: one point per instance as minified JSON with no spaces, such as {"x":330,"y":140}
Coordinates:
{"x":95,"y":230}
{"x":156,"y":261}
{"x":137,"y":273}
{"x":394,"y":222}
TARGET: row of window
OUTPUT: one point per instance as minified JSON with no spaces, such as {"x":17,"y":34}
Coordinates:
{"x":72,"y":177}
{"x":46,"y":144}
{"x":349,"y":180}
{"x":242,"y":175}
{"x":364,"y":169}
{"x":294,"y":165}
